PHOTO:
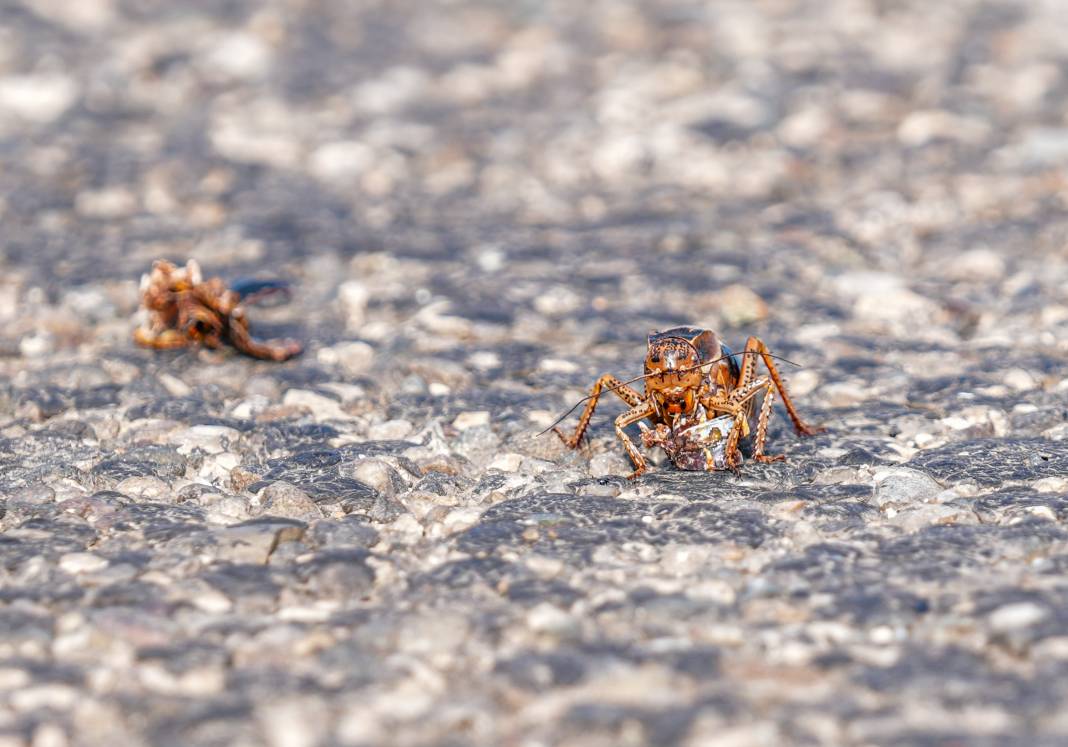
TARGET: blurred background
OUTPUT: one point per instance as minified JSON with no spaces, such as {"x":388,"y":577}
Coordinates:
{"x":607,"y":164}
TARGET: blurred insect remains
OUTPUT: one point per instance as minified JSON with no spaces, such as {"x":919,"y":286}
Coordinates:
{"x":184,"y":309}
{"x":701,"y":399}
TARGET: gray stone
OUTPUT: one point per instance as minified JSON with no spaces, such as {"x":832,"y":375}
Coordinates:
{"x":386,"y":509}
{"x":340,"y":574}
{"x":610,"y":464}
{"x":378,"y":474}
{"x":254,"y":541}
{"x":338,"y":533}
{"x":901,"y":487}
{"x":287,"y":501}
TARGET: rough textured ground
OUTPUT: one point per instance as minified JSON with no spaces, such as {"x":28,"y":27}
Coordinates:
{"x":485,"y":205}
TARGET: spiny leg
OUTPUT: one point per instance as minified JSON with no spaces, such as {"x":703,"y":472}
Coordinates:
{"x":762,"y":429}
{"x":732,"y":454}
{"x":625,"y":393}
{"x":633,"y":415}
{"x":755,"y":346}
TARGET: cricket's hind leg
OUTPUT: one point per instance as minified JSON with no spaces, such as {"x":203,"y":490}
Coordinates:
{"x":761,"y":436}
{"x":754,"y":347}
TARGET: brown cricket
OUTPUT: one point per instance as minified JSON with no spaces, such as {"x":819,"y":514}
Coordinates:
{"x":185,"y":309}
{"x":691,"y":378}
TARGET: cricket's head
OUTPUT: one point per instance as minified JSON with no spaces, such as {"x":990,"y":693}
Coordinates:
{"x":675,"y":370}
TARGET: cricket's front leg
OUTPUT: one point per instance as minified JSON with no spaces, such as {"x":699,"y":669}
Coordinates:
{"x":612,"y":384}
{"x":731,"y":453}
{"x":633,"y":415}
{"x":737,"y":404}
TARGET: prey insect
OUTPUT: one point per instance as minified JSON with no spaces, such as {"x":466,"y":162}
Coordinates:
{"x":700,"y":398}
{"x":185,"y":309}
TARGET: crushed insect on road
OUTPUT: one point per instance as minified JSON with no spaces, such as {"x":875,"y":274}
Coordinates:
{"x":183,"y":309}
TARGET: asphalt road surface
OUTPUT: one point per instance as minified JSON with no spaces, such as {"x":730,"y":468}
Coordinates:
{"x":482,"y":207}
